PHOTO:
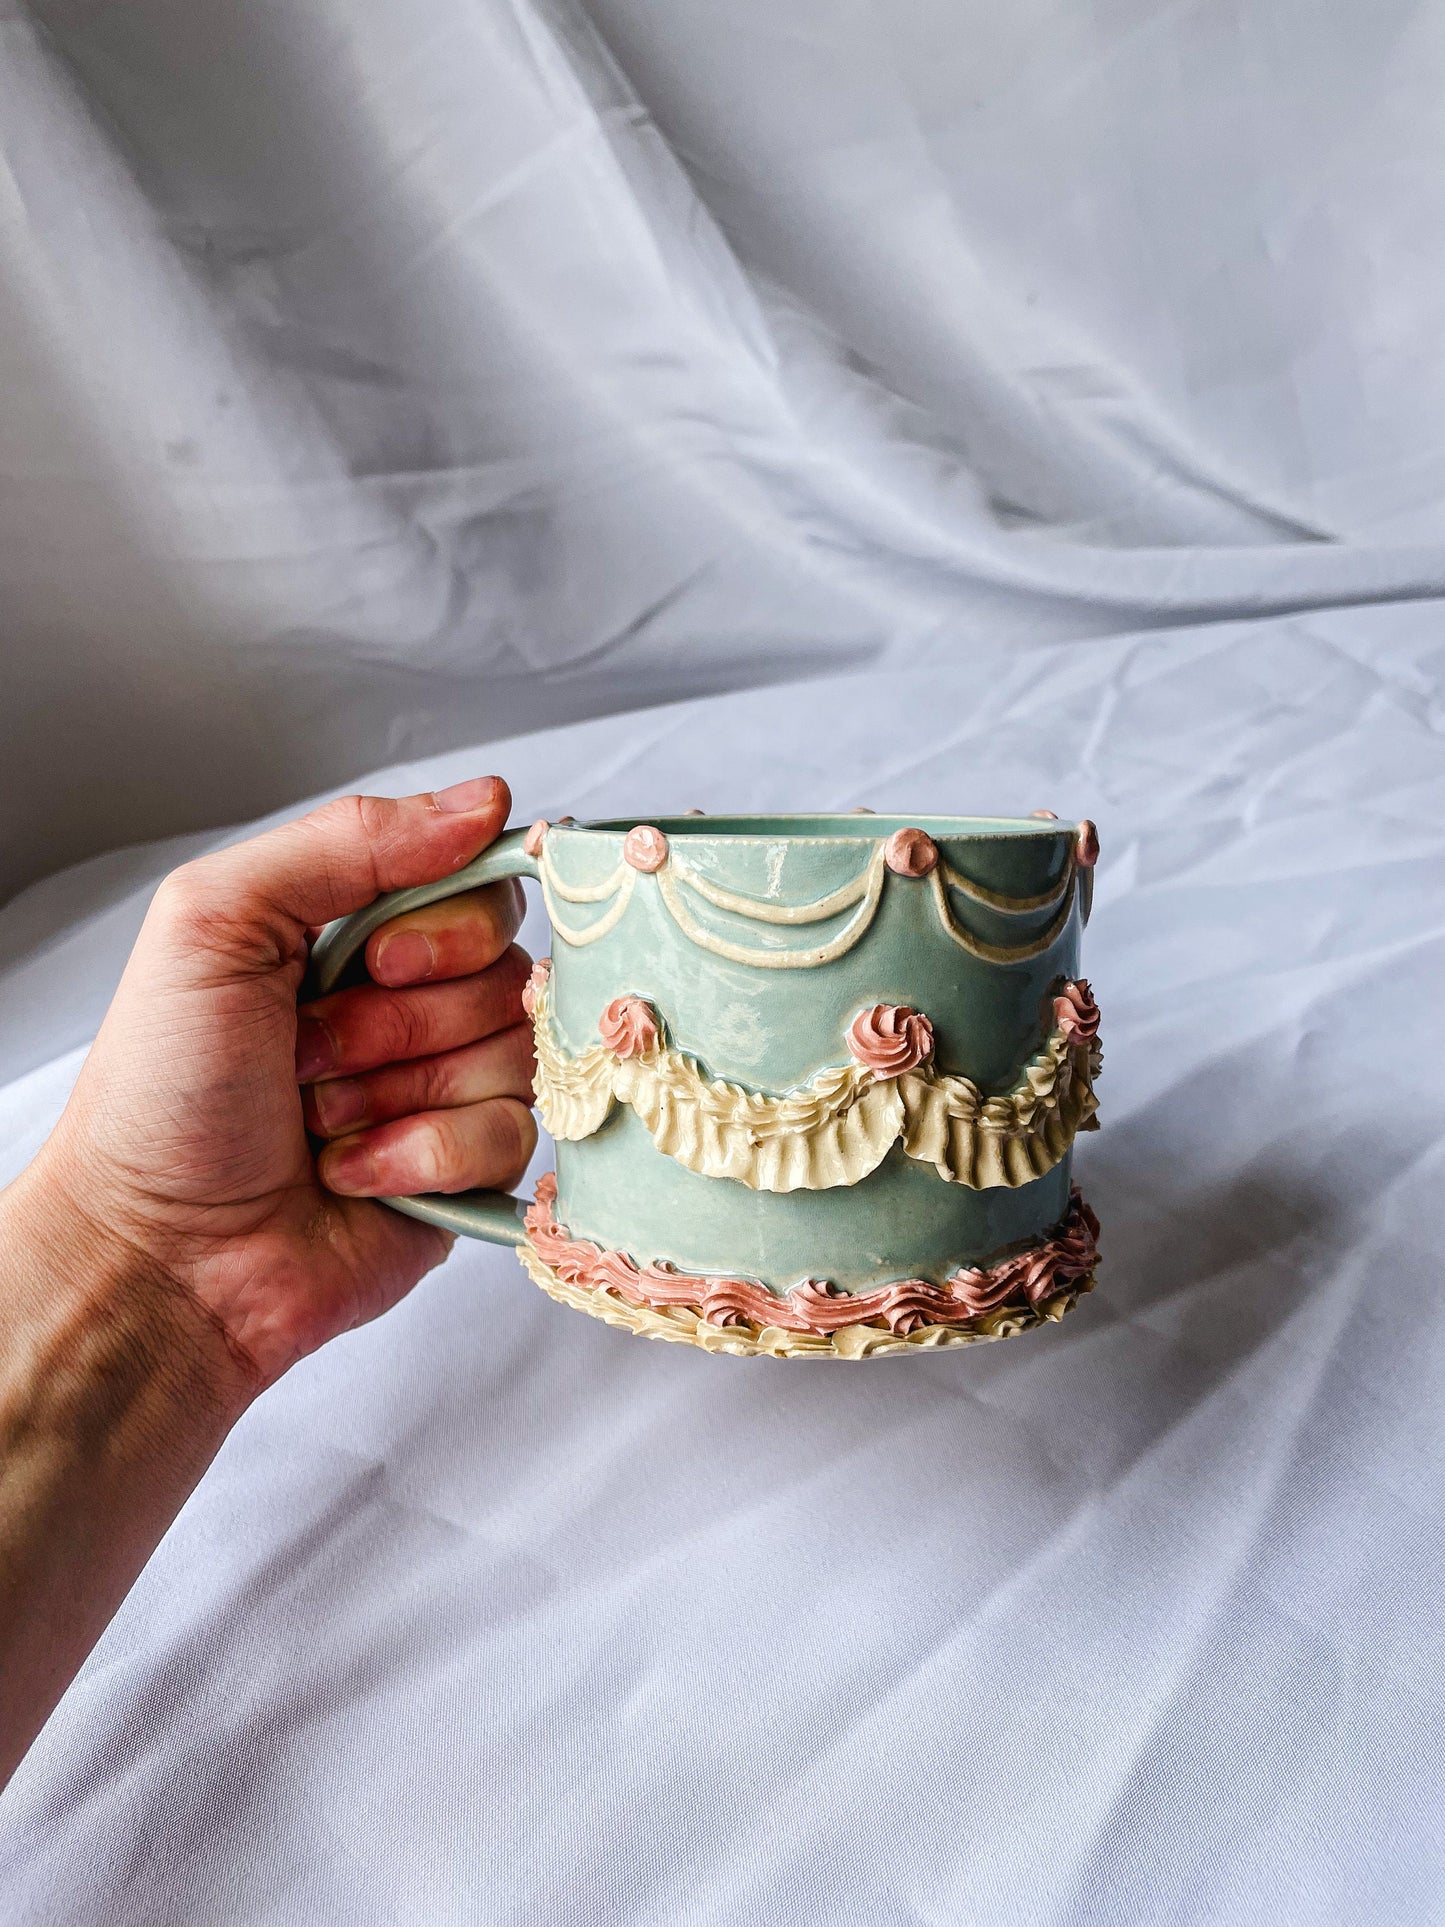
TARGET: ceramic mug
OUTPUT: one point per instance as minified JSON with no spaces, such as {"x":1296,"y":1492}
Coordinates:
{"x":814,"y":1081}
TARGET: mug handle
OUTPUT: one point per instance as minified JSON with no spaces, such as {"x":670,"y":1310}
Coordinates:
{"x":492,"y":1215}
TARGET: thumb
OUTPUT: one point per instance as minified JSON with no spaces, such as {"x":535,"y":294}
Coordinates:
{"x":346,"y":854}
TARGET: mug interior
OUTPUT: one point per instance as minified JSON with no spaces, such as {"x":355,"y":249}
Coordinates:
{"x":855,"y":826}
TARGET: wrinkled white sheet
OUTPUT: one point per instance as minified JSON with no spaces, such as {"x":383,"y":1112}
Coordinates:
{"x":383,"y":375}
{"x":491,"y":1613}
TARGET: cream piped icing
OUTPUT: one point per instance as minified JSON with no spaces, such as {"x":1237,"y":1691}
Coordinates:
{"x":1060,"y":1266}
{"x":842,"y":1123}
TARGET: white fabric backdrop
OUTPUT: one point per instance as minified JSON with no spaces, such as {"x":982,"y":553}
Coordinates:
{"x":491,"y":1613}
{"x":380,"y":375}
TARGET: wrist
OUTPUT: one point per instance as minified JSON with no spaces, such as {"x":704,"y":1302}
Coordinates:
{"x":112,"y":1405}
{"x":96,"y":1331}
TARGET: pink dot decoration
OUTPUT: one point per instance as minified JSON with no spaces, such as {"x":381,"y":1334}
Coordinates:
{"x":645,"y":848}
{"x":536,"y":984}
{"x":1050,"y":816}
{"x":1086,"y":846}
{"x":532,"y":841}
{"x":909,"y":853}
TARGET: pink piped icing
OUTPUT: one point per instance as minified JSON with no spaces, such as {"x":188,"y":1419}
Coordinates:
{"x":629,"y":1027}
{"x":1063,"y":1262}
{"x":890,"y":1039}
{"x":910,"y":853}
{"x":645,"y":848}
{"x":1076,"y":1015}
{"x":535,"y":985}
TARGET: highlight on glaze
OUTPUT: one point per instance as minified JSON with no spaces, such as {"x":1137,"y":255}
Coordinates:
{"x":839,"y":1126}
{"x":890,"y":1039}
{"x":1058,"y":1268}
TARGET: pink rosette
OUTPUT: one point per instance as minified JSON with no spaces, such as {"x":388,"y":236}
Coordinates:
{"x":1076,"y":1015}
{"x":890,"y":1039}
{"x":645,"y":848}
{"x":629,"y":1027}
{"x":535,"y":985}
{"x":910,"y":853}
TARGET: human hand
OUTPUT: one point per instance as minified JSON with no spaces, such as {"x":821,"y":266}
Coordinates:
{"x":183,"y":1149}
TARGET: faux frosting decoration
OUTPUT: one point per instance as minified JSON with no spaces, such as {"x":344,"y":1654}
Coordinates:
{"x":909,"y":855}
{"x":814,"y":1319}
{"x":890,"y":1039}
{"x":869,"y":1161}
{"x":840,"y":1125}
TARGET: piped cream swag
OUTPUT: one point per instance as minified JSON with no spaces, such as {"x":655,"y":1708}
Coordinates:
{"x":907,"y":854}
{"x":841,"y":1124}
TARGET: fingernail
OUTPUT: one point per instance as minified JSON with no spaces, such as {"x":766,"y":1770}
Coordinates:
{"x":315,"y":1048}
{"x":348,"y":1168}
{"x":404,"y":958}
{"x":340,"y":1102}
{"x":477,"y":793}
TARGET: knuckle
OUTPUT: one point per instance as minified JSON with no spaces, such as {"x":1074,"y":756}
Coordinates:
{"x":347,"y":833}
{"x":338,"y":821}
{"x":188,"y":893}
{"x":432,"y":1154}
{"x":375,"y":815}
{"x":196,"y":910}
{"x":508,"y":974}
{"x":436,"y":1083}
{"x":404,"y":1030}
{"x":508,"y":907}
{"x":510,"y":1138}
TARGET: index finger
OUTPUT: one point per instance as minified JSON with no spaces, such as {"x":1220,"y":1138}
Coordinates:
{"x":454,"y":938}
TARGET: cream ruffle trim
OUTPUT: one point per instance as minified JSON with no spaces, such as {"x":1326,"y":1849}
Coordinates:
{"x":834,"y":1129}
{"x":681,"y":1325}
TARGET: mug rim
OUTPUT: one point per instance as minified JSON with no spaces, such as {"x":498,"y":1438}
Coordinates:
{"x":841,"y":826}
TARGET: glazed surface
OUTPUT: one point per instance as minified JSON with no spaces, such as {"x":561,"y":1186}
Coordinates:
{"x":739,"y":1314}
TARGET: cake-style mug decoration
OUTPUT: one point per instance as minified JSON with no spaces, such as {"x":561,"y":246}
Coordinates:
{"x":814,"y":1081}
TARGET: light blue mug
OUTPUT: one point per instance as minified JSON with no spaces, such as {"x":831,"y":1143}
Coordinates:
{"x":814,"y":1080}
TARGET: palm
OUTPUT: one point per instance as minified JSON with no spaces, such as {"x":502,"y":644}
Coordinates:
{"x":213,"y":1152}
